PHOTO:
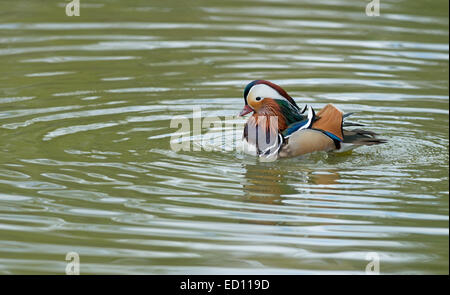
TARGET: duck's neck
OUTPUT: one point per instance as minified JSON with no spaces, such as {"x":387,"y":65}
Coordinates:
{"x":272,"y":118}
{"x":268,"y":121}
{"x":284,"y":112}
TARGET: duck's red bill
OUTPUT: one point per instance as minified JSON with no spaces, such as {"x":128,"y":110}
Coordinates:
{"x":245,"y":110}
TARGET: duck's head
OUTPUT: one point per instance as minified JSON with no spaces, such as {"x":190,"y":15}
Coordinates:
{"x":265,"y":97}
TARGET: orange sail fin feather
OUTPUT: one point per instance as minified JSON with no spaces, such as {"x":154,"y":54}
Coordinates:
{"x":330,"y":120}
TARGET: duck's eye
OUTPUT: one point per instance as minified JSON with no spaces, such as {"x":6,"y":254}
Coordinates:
{"x":258,"y":98}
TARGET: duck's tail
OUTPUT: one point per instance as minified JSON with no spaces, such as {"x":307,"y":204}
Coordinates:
{"x":362,"y":137}
{"x":359,"y":136}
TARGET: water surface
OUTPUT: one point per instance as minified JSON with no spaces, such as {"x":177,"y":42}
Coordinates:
{"x":85,"y":159}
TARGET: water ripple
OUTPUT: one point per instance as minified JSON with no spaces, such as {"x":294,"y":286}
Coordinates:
{"x":86,"y":163}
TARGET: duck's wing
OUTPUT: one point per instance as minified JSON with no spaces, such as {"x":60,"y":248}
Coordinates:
{"x":324,"y":132}
{"x":305,"y":137}
{"x":330,"y":121}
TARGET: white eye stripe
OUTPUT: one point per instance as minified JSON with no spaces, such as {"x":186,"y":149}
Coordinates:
{"x":263,"y":90}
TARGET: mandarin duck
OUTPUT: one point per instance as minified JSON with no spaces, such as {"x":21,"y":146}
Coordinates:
{"x":278,"y":128}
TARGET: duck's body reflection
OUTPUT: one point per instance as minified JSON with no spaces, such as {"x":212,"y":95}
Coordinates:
{"x":268,"y":183}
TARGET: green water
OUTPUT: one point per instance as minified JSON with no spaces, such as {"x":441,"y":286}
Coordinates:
{"x":86,"y":164}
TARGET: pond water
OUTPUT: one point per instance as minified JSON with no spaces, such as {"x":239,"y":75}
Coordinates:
{"x":86,"y":163}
